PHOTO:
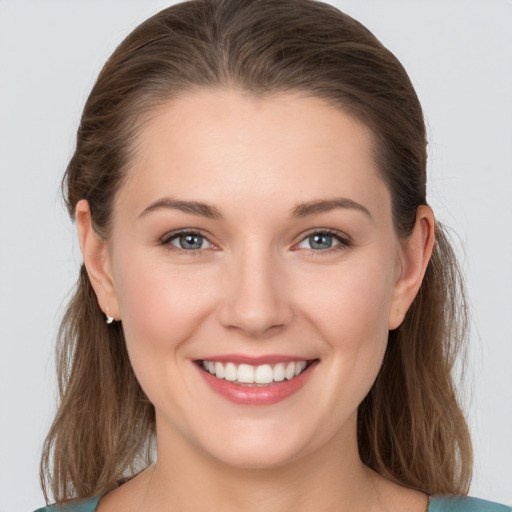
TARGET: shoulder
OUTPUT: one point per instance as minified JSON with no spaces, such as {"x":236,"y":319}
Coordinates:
{"x":464,"y":504}
{"x":88,"y":505}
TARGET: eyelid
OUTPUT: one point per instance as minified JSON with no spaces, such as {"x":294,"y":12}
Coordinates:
{"x":166,"y":239}
{"x":344,"y":240}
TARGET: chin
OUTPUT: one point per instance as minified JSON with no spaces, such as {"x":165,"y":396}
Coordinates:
{"x":255,"y":460}
{"x":260,"y":449}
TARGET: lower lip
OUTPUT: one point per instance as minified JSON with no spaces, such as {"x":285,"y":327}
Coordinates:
{"x":257,"y":395}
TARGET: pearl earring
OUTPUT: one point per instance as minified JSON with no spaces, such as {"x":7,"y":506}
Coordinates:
{"x":110,"y":319}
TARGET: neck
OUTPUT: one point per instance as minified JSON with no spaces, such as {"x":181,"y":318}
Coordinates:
{"x":329,"y":478}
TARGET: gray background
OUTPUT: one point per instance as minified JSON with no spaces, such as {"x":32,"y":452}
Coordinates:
{"x":458,"y":54}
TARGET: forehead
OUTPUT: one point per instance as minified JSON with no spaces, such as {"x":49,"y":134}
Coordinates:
{"x":219,"y":144}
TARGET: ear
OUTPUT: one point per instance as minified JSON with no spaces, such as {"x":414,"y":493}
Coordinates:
{"x":96,"y":260}
{"x":415,"y":252}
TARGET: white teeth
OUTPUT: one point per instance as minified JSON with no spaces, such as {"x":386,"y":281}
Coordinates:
{"x":299,"y":367}
{"x":289,"y":372}
{"x":279,"y":372}
{"x":230,"y":372}
{"x":245,"y":374}
{"x":248,"y":374}
{"x":219,"y":370}
{"x":263,"y":374}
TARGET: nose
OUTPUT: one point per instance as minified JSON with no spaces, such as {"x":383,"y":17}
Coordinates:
{"x":256,"y":295}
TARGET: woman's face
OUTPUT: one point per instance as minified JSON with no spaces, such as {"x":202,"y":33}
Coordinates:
{"x":254,"y":233}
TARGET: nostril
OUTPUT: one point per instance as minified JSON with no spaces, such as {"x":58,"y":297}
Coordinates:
{"x":255,"y":305}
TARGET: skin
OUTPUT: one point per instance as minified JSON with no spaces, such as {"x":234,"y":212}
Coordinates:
{"x":257,"y":287}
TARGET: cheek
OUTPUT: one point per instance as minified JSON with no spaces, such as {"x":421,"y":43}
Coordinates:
{"x":349,"y":309}
{"x":161,"y":305}
{"x":161,"y":308}
{"x":350,"y":302}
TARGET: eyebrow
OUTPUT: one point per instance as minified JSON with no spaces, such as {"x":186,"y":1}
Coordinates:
{"x":323,"y":206}
{"x":193,"y":207}
{"x":210,"y":212}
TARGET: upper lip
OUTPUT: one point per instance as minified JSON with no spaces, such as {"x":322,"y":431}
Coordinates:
{"x":255,"y":360}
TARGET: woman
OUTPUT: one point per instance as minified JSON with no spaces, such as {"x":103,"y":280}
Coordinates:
{"x":282,"y":310}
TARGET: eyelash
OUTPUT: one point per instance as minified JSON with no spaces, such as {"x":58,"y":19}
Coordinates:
{"x":167,"y":239}
{"x":344,"y":242}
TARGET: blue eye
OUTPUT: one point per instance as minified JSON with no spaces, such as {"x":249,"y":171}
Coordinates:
{"x":188,"y":241}
{"x":320,"y":241}
{"x":323,"y":241}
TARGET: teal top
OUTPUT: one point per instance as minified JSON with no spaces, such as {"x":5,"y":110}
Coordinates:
{"x":436,"y":504}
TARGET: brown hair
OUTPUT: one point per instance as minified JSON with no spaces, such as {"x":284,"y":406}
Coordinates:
{"x":410,"y":426}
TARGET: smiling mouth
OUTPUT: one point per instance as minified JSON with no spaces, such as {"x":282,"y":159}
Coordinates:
{"x":254,"y":376}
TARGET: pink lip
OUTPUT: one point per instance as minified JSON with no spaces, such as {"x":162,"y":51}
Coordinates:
{"x":264,"y":395}
{"x":255,"y":360}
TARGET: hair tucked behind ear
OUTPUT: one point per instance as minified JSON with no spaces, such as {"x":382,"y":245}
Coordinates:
{"x":410,"y":426}
{"x":104,"y":422}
